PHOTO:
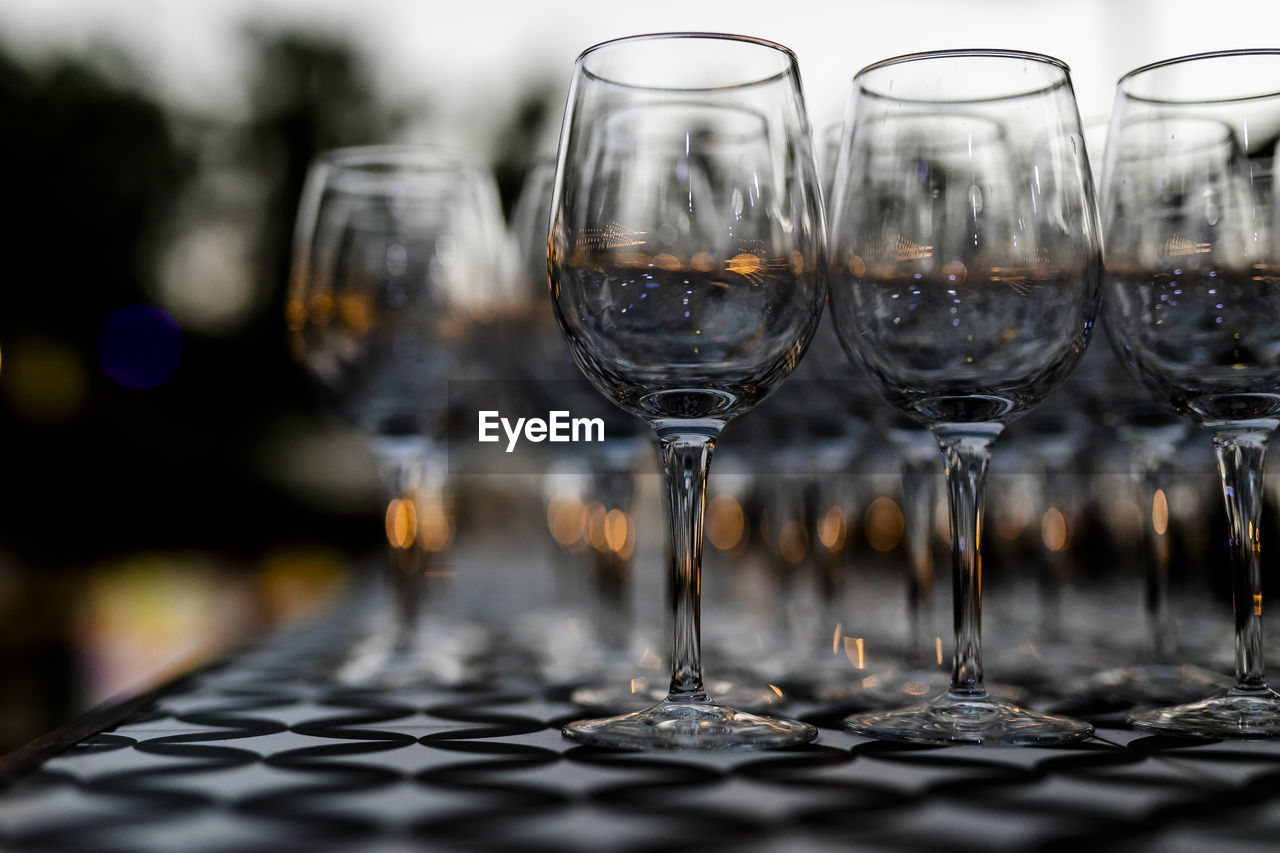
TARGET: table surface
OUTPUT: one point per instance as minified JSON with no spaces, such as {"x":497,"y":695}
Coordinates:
{"x":248,"y":755}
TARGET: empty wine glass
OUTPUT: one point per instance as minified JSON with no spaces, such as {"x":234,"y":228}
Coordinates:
{"x":551,"y":381}
{"x":687,"y":266}
{"x":1193,"y":306}
{"x":1151,"y":434}
{"x":611,"y":676}
{"x":965,"y":264}
{"x":397,"y":255}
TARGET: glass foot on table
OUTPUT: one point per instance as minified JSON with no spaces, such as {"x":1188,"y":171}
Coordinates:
{"x":640,"y":693}
{"x":1147,"y":684}
{"x":705,"y":724}
{"x":959,"y":719}
{"x":898,"y":688}
{"x":1236,"y":713}
{"x":442,"y":654}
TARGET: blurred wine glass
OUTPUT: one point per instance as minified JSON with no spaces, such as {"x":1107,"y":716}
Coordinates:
{"x":1150,"y":434}
{"x":915,"y":671}
{"x":1193,"y":306}
{"x":806,"y":443}
{"x":687,"y":269}
{"x":396,"y":265}
{"x":965,"y":264}
{"x":587,"y":637}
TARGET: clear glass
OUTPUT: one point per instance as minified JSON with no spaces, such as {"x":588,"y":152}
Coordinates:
{"x":965,"y":262}
{"x":1192,"y":305}
{"x":608,"y":668}
{"x":397,"y":262}
{"x":688,"y":273}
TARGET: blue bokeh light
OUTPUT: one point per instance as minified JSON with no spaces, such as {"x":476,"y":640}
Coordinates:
{"x":139,"y":346}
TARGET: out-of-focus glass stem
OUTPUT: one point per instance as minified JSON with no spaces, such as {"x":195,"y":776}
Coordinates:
{"x":1241,"y":451}
{"x":966,"y":450}
{"x":408,"y":589}
{"x":414,"y":495}
{"x":611,"y":559}
{"x":1149,"y":467}
{"x":919,"y":470}
{"x":403,"y":478}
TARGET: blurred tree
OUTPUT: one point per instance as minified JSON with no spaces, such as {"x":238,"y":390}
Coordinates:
{"x":307,"y":94}
{"x":90,"y":175}
{"x":518,"y":140}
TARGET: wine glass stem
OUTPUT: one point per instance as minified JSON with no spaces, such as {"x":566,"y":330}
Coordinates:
{"x":919,"y":492}
{"x":686,"y":458}
{"x":1149,"y":470}
{"x":611,"y":564}
{"x":1241,"y":452}
{"x":406,"y":569}
{"x":402,"y":477}
{"x":412,"y":479}
{"x":966,"y":450}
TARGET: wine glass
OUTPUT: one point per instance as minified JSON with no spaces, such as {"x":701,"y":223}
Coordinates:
{"x":396,"y":263}
{"x":687,"y":266}
{"x":965,"y":263}
{"x":610,"y":675}
{"x":1192,"y":304}
{"x":1150,"y":434}
{"x":551,"y":381}
{"x":912,"y":674}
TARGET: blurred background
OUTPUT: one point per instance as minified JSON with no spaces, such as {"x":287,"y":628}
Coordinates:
{"x":171,"y":482}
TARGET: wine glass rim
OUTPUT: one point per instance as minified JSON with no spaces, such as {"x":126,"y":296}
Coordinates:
{"x":789,"y":69}
{"x":983,"y":52}
{"x":1193,"y":57}
{"x":395,"y":155}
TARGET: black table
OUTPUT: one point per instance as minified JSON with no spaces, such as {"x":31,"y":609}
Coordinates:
{"x":249,"y":755}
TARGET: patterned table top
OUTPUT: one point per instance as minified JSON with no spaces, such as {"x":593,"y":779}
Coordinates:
{"x":246,"y":756}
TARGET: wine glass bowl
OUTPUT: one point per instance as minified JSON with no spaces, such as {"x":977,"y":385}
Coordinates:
{"x":687,"y":263}
{"x":1188,"y":250}
{"x":394,"y":260}
{"x":663,"y":302}
{"x":969,"y":285}
{"x":1192,"y":302}
{"x":965,"y":259}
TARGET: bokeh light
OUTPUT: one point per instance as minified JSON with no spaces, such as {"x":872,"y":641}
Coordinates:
{"x":44,"y":380}
{"x":884,"y":524}
{"x":139,"y":347}
{"x":726,"y":522}
{"x":1054,"y":529}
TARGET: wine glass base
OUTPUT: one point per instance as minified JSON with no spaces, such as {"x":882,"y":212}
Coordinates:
{"x":642,"y":692}
{"x":441,"y":654}
{"x":959,"y":719}
{"x":1236,"y":713}
{"x":1147,"y":684}
{"x":899,"y":688}
{"x":704,"y":724}
{"x":891,"y":688}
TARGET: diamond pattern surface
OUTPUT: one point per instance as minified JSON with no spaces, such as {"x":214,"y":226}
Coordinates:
{"x":252,"y":755}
